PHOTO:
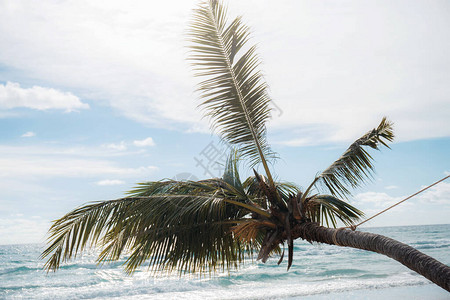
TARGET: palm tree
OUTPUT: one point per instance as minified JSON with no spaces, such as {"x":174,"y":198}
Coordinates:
{"x":217,"y":224}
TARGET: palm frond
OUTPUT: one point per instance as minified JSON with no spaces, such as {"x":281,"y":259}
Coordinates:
{"x":286,"y":189}
{"x":355,"y":165}
{"x":234,"y":93}
{"x":249,"y":230}
{"x":326,"y":209}
{"x":79,"y":229}
{"x":231,"y":172}
{"x":184,"y":226}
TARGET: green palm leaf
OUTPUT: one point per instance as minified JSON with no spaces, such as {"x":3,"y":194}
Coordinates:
{"x":234,"y":93}
{"x":326,"y":209}
{"x":170,"y":224}
{"x":80,"y":228}
{"x":355,"y":165}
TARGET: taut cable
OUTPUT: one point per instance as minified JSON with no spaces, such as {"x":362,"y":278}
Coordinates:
{"x":353,"y":227}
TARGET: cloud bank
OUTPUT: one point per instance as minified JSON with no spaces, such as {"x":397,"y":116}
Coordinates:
{"x":39,"y":98}
{"x":334,"y":69}
{"x":45,"y":162}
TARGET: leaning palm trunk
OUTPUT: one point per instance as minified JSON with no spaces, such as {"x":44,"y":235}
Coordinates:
{"x":417,"y":261}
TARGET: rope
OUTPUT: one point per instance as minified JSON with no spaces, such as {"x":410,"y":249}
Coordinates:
{"x":353,"y":227}
{"x":334,"y":236}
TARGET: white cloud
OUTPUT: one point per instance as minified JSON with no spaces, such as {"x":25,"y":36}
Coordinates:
{"x":28,"y":134}
{"x":438,"y":194}
{"x":144,"y":77}
{"x":40,"y":98}
{"x":56,"y":149}
{"x":391,"y":187}
{"x":39,"y":162}
{"x":148,"y":142}
{"x":108,"y":182}
{"x":339,"y":67}
{"x":376,"y":199}
{"x":298,"y":142}
{"x":67,"y":167}
{"x":18,"y":229}
{"x":374,"y":202}
{"x":122,"y":146}
{"x":118,"y":147}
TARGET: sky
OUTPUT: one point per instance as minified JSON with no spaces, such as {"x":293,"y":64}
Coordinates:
{"x":96,"y":96}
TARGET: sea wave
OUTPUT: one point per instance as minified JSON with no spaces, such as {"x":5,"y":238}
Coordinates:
{"x":284,"y":289}
{"x":317,"y":270}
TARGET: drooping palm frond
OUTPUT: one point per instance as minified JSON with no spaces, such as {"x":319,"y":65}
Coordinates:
{"x":78,"y":229}
{"x":234,"y":92}
{"x":184,"y":226}
{"x":355,"y":165}
{"x":326,"y":209}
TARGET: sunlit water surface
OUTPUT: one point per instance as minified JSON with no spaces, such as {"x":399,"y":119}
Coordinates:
{"x":318,"y":271}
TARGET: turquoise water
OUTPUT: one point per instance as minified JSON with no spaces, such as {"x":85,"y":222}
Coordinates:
{"x":318,"y":272}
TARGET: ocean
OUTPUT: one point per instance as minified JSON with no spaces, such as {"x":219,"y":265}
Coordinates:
{"x":318,"y":272}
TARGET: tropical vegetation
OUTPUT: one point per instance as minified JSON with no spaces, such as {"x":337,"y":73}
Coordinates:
{"x":219,"y":223}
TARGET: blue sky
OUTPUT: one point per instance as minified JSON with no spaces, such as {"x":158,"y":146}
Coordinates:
{"x":97,"y":96}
